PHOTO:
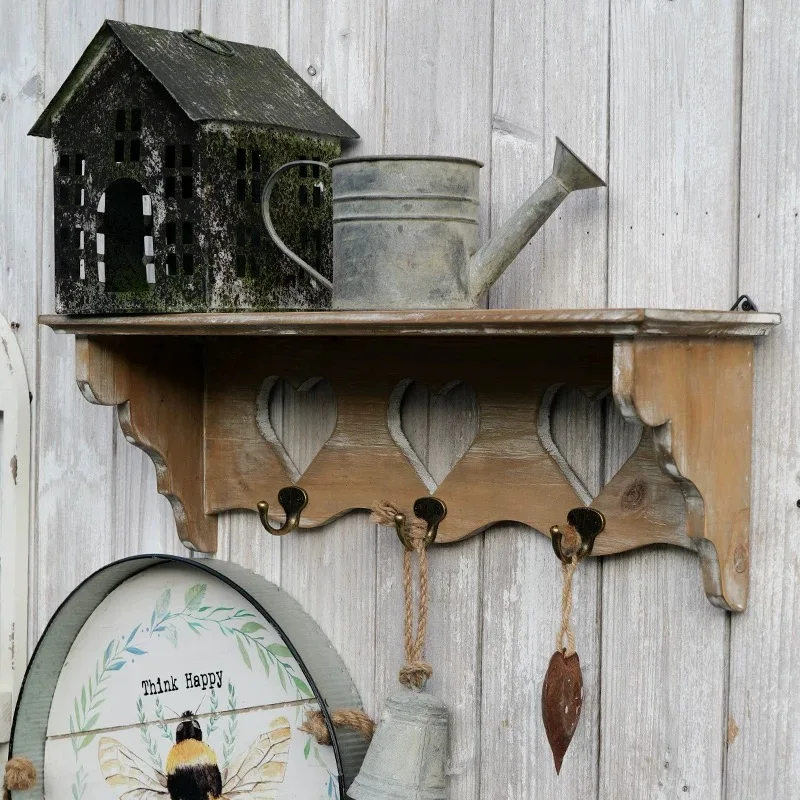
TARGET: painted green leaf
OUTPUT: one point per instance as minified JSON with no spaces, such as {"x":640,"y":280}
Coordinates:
{"x":307,"y":748}
{"x":91,"y":721}
{"x":264,"y":661}
{"x":135,"y":651}
{"x":280,"y":650}
{"x":171,"y":634}
{"x":87,"y":740}
{"x":243,"y":651}
{"x":132,"y":634}
{"x":302,"y":686}
{"x":162,"y":606}
{"x":252,"y":627}
{"x":282,"y":678}
{"x":194,"y":596}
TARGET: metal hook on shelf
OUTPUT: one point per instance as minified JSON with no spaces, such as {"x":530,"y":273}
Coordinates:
{"x":588,"y":522}
{"x":292,"y":500}
{"x":432,"y":510}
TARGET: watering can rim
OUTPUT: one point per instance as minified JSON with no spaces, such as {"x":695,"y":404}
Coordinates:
{"x":354,"y":159}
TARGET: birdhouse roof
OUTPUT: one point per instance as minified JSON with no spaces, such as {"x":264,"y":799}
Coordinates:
{"x":211,"y":80}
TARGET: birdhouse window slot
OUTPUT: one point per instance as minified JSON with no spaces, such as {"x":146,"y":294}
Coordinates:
{"x":170,"y":232}
{"x":187,"y":233}
{"x":317,"y":196}
{"x":64,"y":233}
{"x":302,"y":195}
{"x":186,"y":156}
{"x":119,"y":151}
{"x":63,"y":195}
{"x":135,"y":149}
{"x":315,"y":170}
{"x":136,"y":119}
{"x":255,"y":190}
{"x":170,"y":157}
{"x":169,"y":189}
{"x":63,"y":164}
{"x":120,"y":122}
{"x":186,"y":186}
{"x":80,"y":164}
{"x":172,"y":261}
{"x":188,"y":264}
{"x":241,"y":189}
{"x":78,"y":196}
{"x":77,"y":238}
{"x":241,"y":159}
{"x":303,"y":168}
{"x":256,"y":160}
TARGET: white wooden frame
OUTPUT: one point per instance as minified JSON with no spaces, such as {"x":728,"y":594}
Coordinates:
{"x":15,"y":457}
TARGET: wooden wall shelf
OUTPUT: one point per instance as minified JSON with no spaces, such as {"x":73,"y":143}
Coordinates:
{"x":191,"y":389}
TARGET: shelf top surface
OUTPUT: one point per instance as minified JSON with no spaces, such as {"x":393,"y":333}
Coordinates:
{"x":469,"y":322}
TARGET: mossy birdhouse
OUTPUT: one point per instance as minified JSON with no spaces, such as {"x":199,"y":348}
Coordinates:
{"x":162,"y":141}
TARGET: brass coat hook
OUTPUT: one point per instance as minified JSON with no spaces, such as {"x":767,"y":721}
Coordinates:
{"x":292,"y":500}
{"x":588,"y":522}
{"x":432,"y":510}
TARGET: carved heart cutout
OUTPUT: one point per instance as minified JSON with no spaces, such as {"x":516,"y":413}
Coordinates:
{"x":296,"y":419}
{"x":434,"y":429}
{"x":587,"y":437}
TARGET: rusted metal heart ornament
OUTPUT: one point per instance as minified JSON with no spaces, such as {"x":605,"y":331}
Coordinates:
{"x":562,"y":698}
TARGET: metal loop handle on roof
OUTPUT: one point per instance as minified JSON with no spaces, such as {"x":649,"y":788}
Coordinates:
{"x":265,"y":195}
{"x":209,"y":42}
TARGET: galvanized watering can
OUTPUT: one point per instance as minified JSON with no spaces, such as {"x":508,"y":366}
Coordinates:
{"x":405,"y":228}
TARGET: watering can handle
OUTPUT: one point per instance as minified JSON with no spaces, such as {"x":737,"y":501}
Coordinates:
{"x":265,"y":196}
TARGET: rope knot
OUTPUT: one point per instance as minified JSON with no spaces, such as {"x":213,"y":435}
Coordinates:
{"x":342,"y":718}
{"x":415,"y":675}
{"x":20,"y":775}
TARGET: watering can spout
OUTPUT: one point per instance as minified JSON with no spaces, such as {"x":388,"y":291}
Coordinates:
{"x":569,"y":174}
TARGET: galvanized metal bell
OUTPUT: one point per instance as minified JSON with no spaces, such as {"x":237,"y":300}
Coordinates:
{"x":408,"y":754}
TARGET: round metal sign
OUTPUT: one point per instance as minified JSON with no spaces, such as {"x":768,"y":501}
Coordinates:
{"x":163,"y":678}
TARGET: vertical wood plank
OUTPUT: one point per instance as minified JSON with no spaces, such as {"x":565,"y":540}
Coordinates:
{"x":337,"y":49}
{"x":764,"y":759}
{"x":672,"y":242}
{"x":266,"y":24}
{"x":438,"y":101}
{"x":75,"y":500}
{"x":550,"y":79}
{"x":21,"y":197}
{"x":143,"y":520}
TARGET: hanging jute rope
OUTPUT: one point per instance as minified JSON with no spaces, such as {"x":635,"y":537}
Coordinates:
{"x":416,"y":672}
{"x":570,"y":545}
{"x":567,"y":571}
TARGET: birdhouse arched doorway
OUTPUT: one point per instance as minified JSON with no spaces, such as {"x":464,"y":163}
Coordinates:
{"x":124,"y":241}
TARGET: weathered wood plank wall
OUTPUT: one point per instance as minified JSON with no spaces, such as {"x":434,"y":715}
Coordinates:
{"x":691,"y":109}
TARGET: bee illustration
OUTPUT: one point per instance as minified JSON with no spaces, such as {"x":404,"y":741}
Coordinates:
{"x":191,"y":771}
